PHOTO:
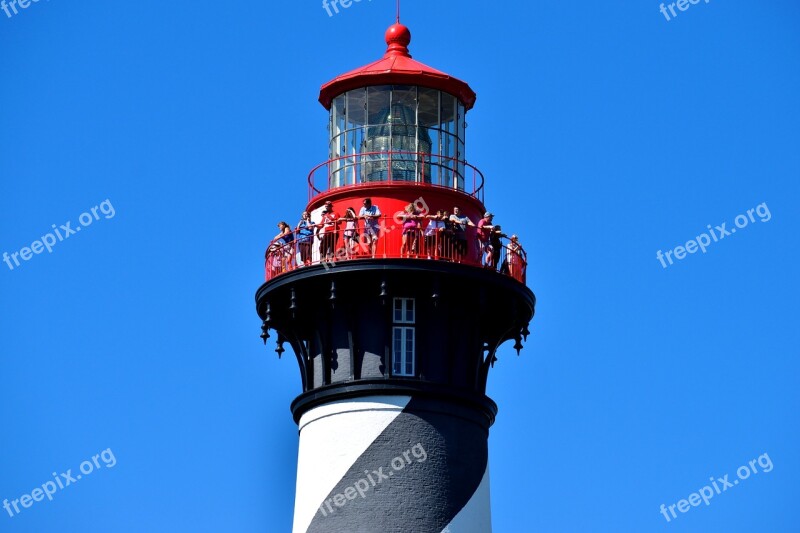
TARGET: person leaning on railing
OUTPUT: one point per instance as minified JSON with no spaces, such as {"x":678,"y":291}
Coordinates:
{"x":275,"y":256}
{"x":484,"y":245}
{"x":371,"y":214}
{"x":305,"y":238}
{"x":282,"y":246}
{"x":410,"y":218}
{"x":517,"y":259}
{"x":447,"y":237}
{"x":434,"y":233}
{"x":350,"y":232}
{"x":273,"y":259}
{"x":326,"y":231}
{"x":460,"y":224}
{"x":495,"y":246}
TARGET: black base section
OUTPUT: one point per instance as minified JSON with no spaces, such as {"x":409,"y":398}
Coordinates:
{"x":477,"y":404}
{"x":415,"y":477}
{"x":340,"y":323}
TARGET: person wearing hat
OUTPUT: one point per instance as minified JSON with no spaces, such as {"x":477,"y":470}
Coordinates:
{"x":517,"y":259}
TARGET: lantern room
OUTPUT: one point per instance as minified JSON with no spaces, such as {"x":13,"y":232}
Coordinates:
{"x":397,"y":120}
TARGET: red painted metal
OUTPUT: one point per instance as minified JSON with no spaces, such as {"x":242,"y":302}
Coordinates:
{"x":393,"y":198}
{"x":320,"y":177}
{"x":397,"y":67}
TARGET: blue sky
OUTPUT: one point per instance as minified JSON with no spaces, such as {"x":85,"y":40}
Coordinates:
{"x":606,"y":133}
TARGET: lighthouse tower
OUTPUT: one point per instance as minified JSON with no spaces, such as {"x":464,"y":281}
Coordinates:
{"x":395,"y":315}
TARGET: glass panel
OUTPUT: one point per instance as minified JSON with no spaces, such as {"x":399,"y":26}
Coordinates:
{"x":461,"y":167}
{"x":409,"y":351}
{"x":398,"y":310}
{"x":402,"y":118}
{"x":448,"y":117}
{"x":462,"y":125}
{"x":337,"y":112}
{"x":428,"y":120}
{"x":377,"y":103}
{"x":356,"y":118}
{"x":448,"y":112}
{"x":410,"y":310}
{"x":428,"y":107}
{"x":379,"y":134}
{"x":356,"y":108}
{"x":398,"y":350}
{"x":462,"y":152}
{"x":337,"y":139}
{"x":403,"y":353}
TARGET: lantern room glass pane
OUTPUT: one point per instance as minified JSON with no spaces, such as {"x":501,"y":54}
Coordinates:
{"x":378,"y":135}
{"x":428,"y":120}
{"x":356,"y":108}
{"x":356,"y":118}
{"x":448,"y":117}
{"x":378,"y":100}
{"x":403,"y":118}
{"x":336,"y":149}
{"x":461,"y":155}
{"x":428,"y":107}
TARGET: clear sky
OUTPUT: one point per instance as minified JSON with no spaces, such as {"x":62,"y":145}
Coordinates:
{"x":606,"y":133}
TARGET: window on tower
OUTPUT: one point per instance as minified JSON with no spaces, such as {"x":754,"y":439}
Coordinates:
{"x":403,"y":337}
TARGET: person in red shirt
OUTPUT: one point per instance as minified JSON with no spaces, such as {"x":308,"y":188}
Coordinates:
{"x":485,"y":229}
{"x":326,"y":231}
{"x":517,"y":259}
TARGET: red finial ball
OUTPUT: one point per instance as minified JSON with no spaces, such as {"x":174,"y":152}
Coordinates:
{"x":398,"y":36}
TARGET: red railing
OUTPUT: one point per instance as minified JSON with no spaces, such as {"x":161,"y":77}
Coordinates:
{"x":393,"y":238}
{"x":372,"y":168}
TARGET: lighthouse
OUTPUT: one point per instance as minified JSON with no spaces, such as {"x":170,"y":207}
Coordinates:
{"x":394,"y":293}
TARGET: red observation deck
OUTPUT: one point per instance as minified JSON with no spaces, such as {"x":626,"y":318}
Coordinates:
{"x":397,"y":137}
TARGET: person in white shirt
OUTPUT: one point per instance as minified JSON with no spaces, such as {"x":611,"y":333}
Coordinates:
{"x":372,"y":229}
{"x":434,"y":233}
{"x":460,"y":224}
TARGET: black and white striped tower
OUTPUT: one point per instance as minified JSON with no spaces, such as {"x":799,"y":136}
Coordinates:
{"x":394,"y":339}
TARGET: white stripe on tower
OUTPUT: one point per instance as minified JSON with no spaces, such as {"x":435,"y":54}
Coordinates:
{"x":332,"y":437}
{"x":477,"y":514}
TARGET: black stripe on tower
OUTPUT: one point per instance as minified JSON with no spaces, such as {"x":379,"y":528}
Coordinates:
{"x":416,"y":476}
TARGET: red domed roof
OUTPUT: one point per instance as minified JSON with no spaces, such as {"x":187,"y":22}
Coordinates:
{"x":396,"y":68}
